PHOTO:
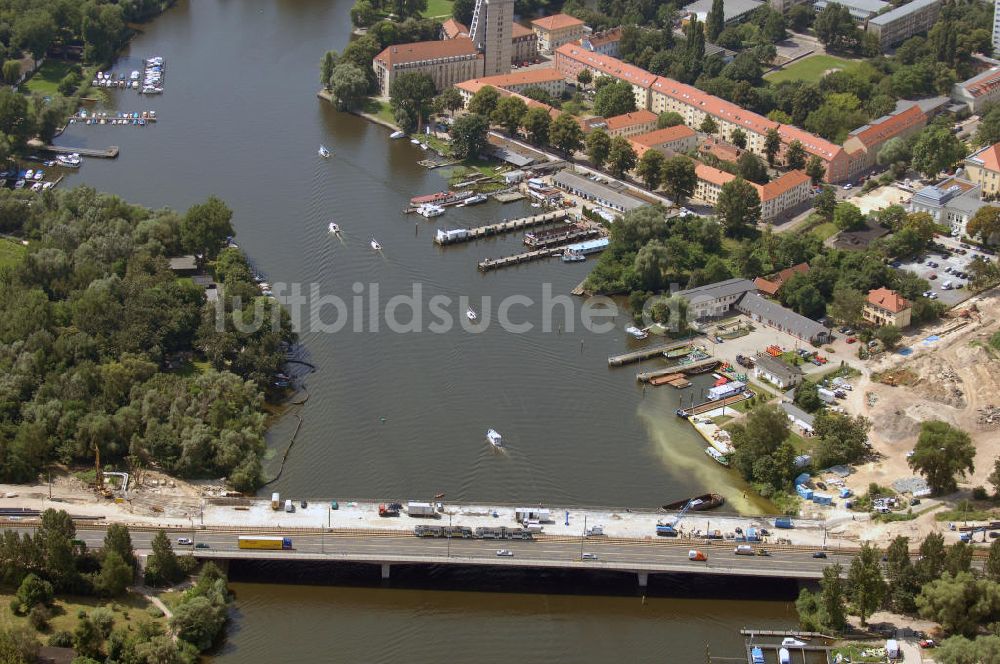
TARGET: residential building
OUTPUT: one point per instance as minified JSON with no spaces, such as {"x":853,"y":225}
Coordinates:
{"x":798,"y":417}
{"x":903,"y":22}
{"x":782,"y":194}
{"x":546,"y":78}
{"x":571,"y":59}
{"x":605,"y":43}
{"x":860,"y":10}
{"x":772,"y":285}
{"x":715,"y":299}
{"x":979,"y":90}
{"x":578,"y":185}
{"x":524,"y":46}
{"x":184,"y":265}
{"x":772,"y":314}
{"x":446,"y":62}
{"x":887,"y":307}
{"x":452,"y":28}
{"x":735,"y":11}
{"x":996,"y":26}
{"x":631,"y":124}
{"x":864,"y":142}
{"x":491,"y":31}
{"x":556,"y":30}
{"x":709,"y":183}
{"x":679,"y":139}
{"x":982,"y":167}
{"x":776,"y":371}
{"x":952,"y":202}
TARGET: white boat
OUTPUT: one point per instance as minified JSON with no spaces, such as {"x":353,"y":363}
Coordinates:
{"x":430,"y":210}
{"x":536,"y":205}
{"x":397,"y":134}
{"x":636,"y":333}
{"x":334,"y":228}
{"x":789,"y":641}
{"x":496,"y":440}
{"x":570,"y":256}
{"x":475,"y":200}
{"x":324,"y":152}
{"x":717,"y":455}
{"x":414,"y":141}
{"x":375,"y":245}
{"x":470,"y":314}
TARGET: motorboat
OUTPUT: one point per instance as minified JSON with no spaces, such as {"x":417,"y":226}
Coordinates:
{"x":789,"y":641}
{"x":717,"y":455}
{"x":470,"y":314}
{"x":496,"y":440}
{"x":324,"y":152}
{"x":475,"y":200}
{"x":636,"y":333}
{"x":397,"y":134}
{"x":375,"y":245}
{"x":334,"y":228}
{"x":570,"y":256}
{"x":414,"y":141}
{"x":430,"y":210}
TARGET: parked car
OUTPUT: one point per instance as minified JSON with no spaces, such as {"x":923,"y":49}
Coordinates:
{"x":697,"y":555}
{"x":927,"y":643}
{"x":848,"y":186}
{"x":589,"y":556}
{"x":852,"y":340}
{"x":932,"y":276}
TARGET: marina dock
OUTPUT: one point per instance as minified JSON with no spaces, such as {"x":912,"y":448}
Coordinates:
{"x":107,"y":153}
{"x":706,"y":406}
{"x":688,"y":367}
{"x":674,"y":380}
{"x":480,"y":232}
{"x":559,"y":236}
{"x":516,"y":259}
{"x":645,"y":353}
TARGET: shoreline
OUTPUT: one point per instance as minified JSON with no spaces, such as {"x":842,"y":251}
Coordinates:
{"x":327,"y":97}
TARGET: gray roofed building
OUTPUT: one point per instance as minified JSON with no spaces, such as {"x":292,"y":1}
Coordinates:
{"x":774,"y":315}
{"x":715,"y":299}
{"x":183,"y":264}
{"x":860,"y":10}
{"x":735,"y":10}
{"x":514,"y":158}
{"x":595,"y":191}
{"x":798,"y":416}
{"x":776,"y":371}
{"x":953,"y":202}
{"x":904,"y":21}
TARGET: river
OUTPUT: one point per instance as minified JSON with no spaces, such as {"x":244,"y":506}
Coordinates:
{"x":403,"y":415}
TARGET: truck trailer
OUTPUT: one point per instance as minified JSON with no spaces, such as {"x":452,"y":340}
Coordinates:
{"x":265,"y":542}
{"x":420,"y":509}
{"x":275,"y":501}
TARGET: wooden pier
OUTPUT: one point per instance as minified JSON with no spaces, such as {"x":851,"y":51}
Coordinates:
{"x":107,"y":153}
{"x":646,"y":376}
{"x":555,"y":239}
{"x":490,"y":230}
{"x":497,"y":263}
{"x":706,"y":406}
{"x":644,"y":353}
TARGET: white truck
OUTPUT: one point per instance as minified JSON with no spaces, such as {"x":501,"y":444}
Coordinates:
{"x":420,"y":509}
{"x":275,"y":501}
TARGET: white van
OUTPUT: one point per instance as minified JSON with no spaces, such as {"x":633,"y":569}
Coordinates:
{"x":289,"y":506}
{"x":946,"y":285}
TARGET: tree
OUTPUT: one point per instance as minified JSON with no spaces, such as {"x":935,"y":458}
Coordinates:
{"x":930,"y":562}
{"x":835,"y":27}
{"x":960,"y":603}
{"x":650,"y":168}
{"x":894,"y":150}
{"x":889,"y":335}
{"x":404,"y":8}
{"x":985,"y":224}
{"x":34,"y":32}
{"x":848,"y":217}
{"x":992,"y":566}
{"x":348,"y":86}
{"x":715,"y":21}
{"x":757,"y":443}
{"x":509,"y":113}
{"x":772,"y":144}
{"x":363,"y":14}
{"x":669,"y":119}
{"x":958,"y":559}
{"x":55,"y":536}
{"x":410,"y":97}
{"x":115,"y":575}
{"x":800,"y":17}
{"x":795,"y":156}
{"x":651,"y":264}
{"x":842,"y":438}
{"x":614,"y":99}
{"x":825,"y":202}
{"x":468,"y":135}
{"x":994,"y":476}
{"x":326,"y":68}
{"x":960,"y":650}
{"x":751,"y":168}
{"x":708,"y":125}
{"x":462,"y":11}
{"x":738,"y":206}
{"x":935,"y":150}
{"x":833,"y":599}
{"x":162,"y":566}
{"x":536,"y":124}
{"x":941,"y":453}
{"x":902,"y":577}
{"x":865,"y":583}
{"x":815,"y":169}
{"x":584,"y":77}
{"x":598,"y":147}
{"x":807,"y":397}
{"x":847,"y":305}
{"x":774,"y":29}
{"x":621,"y":156}
{"x":32,"y":592}
{"x":11,"y":72}
{"x":198,"y":621}
{"x":565,"y":134}
{"x":449,"y":101}
{"x":87,"y":638}
{"x":678,"y":178}
{"x":206,"y":227}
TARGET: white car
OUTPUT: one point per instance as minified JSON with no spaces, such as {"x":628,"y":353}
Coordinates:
{"x":848,"y":186}
{"x":505,"y":553}
{"x":184,"y":540}
{"x":589,"y":556}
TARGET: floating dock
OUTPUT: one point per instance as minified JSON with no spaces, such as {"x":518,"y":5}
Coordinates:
{"x":497,"y":263}
{"x":107,"y":153}
{"x":490,"y":230}
{"x":647,"y":376}
{"x":558,"y":236}
{"x":509,"y":196}
{"x":644,"y":353}
{"x":676,"y":380}
{"x":707,"y":406}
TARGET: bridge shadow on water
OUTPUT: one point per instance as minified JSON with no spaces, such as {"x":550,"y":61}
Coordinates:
{"x":478,"y":578}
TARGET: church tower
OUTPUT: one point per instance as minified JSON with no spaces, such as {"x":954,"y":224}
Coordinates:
{"x":491,"y":32}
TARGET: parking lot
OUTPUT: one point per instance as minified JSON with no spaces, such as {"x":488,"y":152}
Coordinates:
{"x":939,"y":269}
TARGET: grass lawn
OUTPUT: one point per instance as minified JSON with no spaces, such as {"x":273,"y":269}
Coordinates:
{"x":861,"y":652}
{"x":809,"y":69}
{"x":437,"y":8}
{"x":11,"y":253}
{"x":801,"y":445}
{"x":379,"y":109}
{"x":825,"y":230}
{"x":129,"y":611}
{"x":45,"y":81}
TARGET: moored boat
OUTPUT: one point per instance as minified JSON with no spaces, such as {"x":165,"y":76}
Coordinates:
{"x":717,"y":455}
{"x":429,"y":210}
{"x":705,"y":501}
{"x":471,"y":314}
{"x":571,"y":256}
{"x":678,"y":352}
{"x":475,"y":200}
{"x":700,"y":370}
{"x":375,"y":245}
{"x":397,"y":134}
{"x":636,"y":333}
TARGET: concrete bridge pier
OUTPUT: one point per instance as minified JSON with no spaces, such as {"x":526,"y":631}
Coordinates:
{"x":643,"y":579}
{"x":385,"y":571}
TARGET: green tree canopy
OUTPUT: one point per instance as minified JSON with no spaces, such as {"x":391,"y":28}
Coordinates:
{"x":598,"y":147}
{"x":865,"y":584}
{"x":738,"y":206}
{"x":509,"y":113}
{"x":614,"y":99}
{"x":411,"y":97}
{"x":942,"y":452}
{"x":536,"y":124}
{"x":565,"y":134}
{"x":621,"y":156}
{"x":468,"y":135}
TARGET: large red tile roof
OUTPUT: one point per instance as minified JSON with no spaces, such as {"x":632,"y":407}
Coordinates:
{"x":712,"y":175}
{"x":521,"y":31}
{"x":641,"y":116}
{"x":878,"y":132}
{"x":780,"y":185}
{"x":426,"y":50}
{"x":887,"y":299}
{"x":990,"y":157}
{"x":453,"y":28}
{"x":608,"y":65}
{"x":556,"y":22}
{"x":979,"y":85}
{"x":666,"y":135}
{"x":521,"y":77}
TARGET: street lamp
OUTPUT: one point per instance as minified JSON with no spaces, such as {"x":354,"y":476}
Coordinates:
{"x":449,"y":535}
{"x":583,"y":536}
